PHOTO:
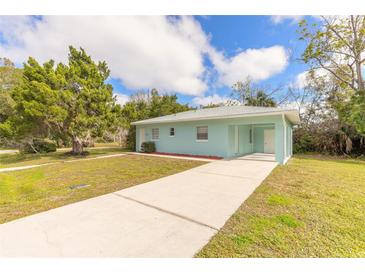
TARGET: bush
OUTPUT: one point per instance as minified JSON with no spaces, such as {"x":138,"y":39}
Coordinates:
{"x":148,"y":147}
{"x":39,"y":146}
{"x":329,"y":136}
{"x":303,"y":141}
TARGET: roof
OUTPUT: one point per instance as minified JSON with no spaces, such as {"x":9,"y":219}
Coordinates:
{"x":222,"y":113}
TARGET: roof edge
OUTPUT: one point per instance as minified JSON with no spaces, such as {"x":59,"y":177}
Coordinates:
{"x":279,"y":112}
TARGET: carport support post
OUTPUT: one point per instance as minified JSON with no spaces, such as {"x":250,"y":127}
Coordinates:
{"x":285,"y":141}
{"x":251,"y":132}
{"x":279,"y":140}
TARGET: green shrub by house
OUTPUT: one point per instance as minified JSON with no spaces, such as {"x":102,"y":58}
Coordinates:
{"x":148,"y":147}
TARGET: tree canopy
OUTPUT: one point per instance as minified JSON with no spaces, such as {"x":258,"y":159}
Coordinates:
{"x":10,"y":77}
{"x":337,"y":47}
{"x":246,"y":94}
{"x":145,"y":105}
{"x":332,"y":100}
{"x":65,"y":102}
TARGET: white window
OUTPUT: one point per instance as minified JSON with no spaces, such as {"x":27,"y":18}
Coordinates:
{"x":155,"y":134}
{"x":172,"y":132}
{"x":202,"y":133}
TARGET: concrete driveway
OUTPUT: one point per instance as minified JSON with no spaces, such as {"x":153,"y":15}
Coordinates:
{"x":174,"y":216}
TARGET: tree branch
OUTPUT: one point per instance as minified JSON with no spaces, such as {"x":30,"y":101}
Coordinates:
{"x":337,"y":34}
{"x":334,"y":74}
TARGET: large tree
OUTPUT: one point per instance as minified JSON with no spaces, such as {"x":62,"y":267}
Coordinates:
{"x":145,"y":105}
{"x":68,"y":102}
{"x":241,"y":91}
{"x":10,"y":77}
{"x":261,"y":99}
{"x":336,"y":46}
{"x":245,"y":93}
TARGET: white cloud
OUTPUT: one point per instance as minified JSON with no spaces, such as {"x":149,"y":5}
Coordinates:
{"x":258,"y":64}
{"x":142,"y":51}
{"x":211,"y":99}
{"x":301,"y":79}
{"x":121,"y":98}
{"x":277,"y":19}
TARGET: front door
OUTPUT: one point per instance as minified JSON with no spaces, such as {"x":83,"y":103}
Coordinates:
{"x":269,"y":141}
{"x":141,"y":137}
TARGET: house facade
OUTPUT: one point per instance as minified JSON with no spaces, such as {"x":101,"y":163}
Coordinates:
{"x":224,"y":132}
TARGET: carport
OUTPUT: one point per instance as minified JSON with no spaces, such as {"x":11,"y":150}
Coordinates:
{"x":252,"y":138}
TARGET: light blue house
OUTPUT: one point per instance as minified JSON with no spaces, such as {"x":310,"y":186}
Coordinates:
{"x":223,"y":131}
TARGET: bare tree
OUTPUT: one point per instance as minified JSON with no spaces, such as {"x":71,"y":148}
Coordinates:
{"x":337,"y":46}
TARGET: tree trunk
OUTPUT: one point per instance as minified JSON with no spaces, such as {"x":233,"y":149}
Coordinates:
{"x":348,"y":145}
{"x":358,"y":55}
{"x":77,"y":147}
{"x":31,"y":145}
{"x":360,"y":80}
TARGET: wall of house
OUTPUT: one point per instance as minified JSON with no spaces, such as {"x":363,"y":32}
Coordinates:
{"x":231,"y":144}
{"x":245,"y":146}
{"x":220,"y":136}
{"x":185,"y":142}
{"x":258,"y":137}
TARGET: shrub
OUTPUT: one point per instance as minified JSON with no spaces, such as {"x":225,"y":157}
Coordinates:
{"x":148,"y":147}
{"x":303,"y":141}
{"x":328,"y":137}
{"x":39,"y":146}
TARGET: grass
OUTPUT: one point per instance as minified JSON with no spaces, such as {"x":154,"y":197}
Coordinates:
{"x":311,"y":207}
{"x":34,"y":190}
{"x":19,"y":159}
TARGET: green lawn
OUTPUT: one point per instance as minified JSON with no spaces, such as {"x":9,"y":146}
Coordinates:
{"x":311,"y":207}
{"x":34,"y":190}
{"x":19,"y":159}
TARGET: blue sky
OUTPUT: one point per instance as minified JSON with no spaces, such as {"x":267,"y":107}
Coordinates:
{"x":198,"y":58}
{"x":234,"y":33}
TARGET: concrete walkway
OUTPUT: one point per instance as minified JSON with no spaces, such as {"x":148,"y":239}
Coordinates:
{"x":8,"y":151}
{"x":7,"y":169}
{"x":174,"y":216}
